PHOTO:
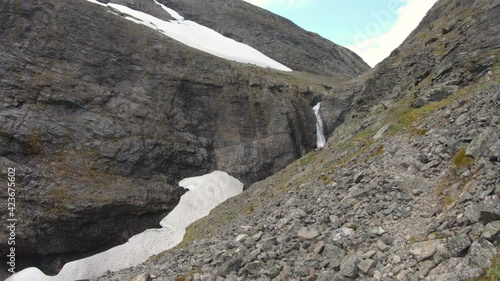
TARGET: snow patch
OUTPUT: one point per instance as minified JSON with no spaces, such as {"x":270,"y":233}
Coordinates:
{"x":198,"y":36}
{"x":206,"y":192}
{"x":172,"y":13}
{"x":97,"y":2}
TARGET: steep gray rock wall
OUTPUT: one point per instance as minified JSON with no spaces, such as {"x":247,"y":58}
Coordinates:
{"x":102,"y":117}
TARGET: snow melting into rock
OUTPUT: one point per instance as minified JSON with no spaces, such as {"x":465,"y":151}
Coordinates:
{"x":320,"y":136}
{"x":172,"y":13}
{"x":198,"y":36}
{"x":206,"y":192}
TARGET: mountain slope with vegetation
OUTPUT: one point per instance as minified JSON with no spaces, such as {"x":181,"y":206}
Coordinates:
{"x":407,"y":187}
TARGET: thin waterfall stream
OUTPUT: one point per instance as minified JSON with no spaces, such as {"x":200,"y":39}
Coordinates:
{"x":320,"y":136}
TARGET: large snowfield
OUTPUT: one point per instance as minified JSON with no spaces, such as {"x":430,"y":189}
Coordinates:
{"x":205,"y":193}
{"x":197,"y":36}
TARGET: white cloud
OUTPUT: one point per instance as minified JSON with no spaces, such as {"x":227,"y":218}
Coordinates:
{"x":375,"y":46}
{"x":289,"y":3}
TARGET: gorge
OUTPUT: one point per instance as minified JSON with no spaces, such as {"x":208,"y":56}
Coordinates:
{"x":108,"y":106}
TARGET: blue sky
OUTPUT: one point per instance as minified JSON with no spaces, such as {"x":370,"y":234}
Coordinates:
{"x":371,"y":28}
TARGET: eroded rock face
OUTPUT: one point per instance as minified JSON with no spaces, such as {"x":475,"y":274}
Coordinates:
{"x":102,"y":117}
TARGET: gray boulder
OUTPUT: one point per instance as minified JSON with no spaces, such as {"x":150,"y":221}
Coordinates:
{"x":483,"y":145}
{"x":489,"y":209}
{"x":349,"y":267}
{"x":481,"y":253}
{"x":458,"y":244}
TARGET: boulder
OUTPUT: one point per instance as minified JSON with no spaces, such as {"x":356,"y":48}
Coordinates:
{"x":366,"y":265}
{"x":489,"y":209}
{"x":436,"y":93}
{"x":424,"y":250}
{"x":458,"y":244}
{"x":483,"y":145}
{"x":349,"y":267}
{"x":481,"y":253}
{"x":307,"y":234}
{"x":492,"y":231}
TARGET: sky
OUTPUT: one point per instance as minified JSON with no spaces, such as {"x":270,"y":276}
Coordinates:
{"x":371,"y":28}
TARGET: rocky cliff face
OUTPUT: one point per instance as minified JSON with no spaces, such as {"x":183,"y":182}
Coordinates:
{"x":407,"y":187}
{"x":102,"y":117}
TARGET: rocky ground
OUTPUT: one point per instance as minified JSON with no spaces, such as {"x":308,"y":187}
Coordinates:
{"x":420,"y":203}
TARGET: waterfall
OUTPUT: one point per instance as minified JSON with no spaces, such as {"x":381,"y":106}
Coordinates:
{"x":320,"y":137}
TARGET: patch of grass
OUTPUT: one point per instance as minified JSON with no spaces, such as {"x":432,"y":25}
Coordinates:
{"x":492,"y":273}
{"x":184,"y":277}
{"x":448,"y":199}
{"x":415,"y":239}
{"x":323,"y":178}
{"x":250,"y":208}
{"x":405,"y":118}
{"x":412,"y":115}
{"x":218,"y":218}
{"x":61,"y":192}
{"x":440,"y":51}
{"x":34,"y":141}
{"x":417,"y":131}
{"x":308,"y":158}
{"x":355,"y":154}
{"x":442,"y":188}
{"x":365,"y":135}
{"x":193,"y":232}
{"x":379,"y":109}
{"x":438,"y":235}
{"x":379,"y":150}
{"x":447,"y":191}
{"x":461,"y":160}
